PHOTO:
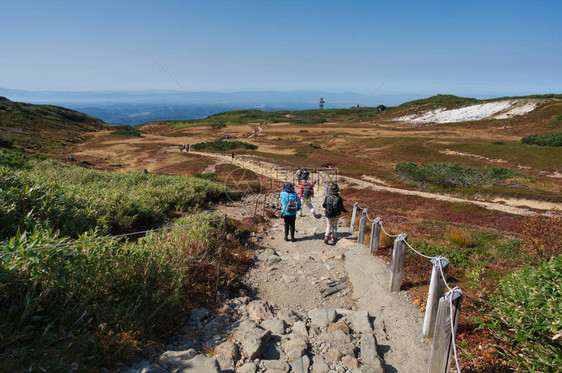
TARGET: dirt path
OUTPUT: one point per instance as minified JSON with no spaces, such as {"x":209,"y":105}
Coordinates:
{"x":503,"y":205}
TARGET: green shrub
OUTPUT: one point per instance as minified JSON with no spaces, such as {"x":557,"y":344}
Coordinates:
{"x":219,"y":145}
{"x":526,"y":316}
{"x":73,"y":199}
{"x":498,"y":142}
{"x":453,"y":174}
{"x":99,"y":302}
{"x":456,"y":256}
{"x":544,"y":139}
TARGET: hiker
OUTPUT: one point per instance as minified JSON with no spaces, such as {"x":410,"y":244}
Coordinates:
{"x":306,"y":193}
{"x":187,"y":148}
{"x":232,"y":155}
{"x":333,"y":204}
{"x":305,"y":174}
{"x":290,"y":204}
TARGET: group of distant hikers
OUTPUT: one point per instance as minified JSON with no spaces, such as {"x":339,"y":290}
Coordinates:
{"x":292,"y":202}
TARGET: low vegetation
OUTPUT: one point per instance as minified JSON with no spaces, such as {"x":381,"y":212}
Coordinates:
{"x":124,"y":130}
{"x":453,"y":174}
{"x":220,"y":145}
{"x":102,"y":300}
{"x":544,"y":139}
{"x":525,"y":316}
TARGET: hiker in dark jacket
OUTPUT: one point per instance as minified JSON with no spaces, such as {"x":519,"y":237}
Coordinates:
{"x":333,"y":204}
{"x":291,"y":203}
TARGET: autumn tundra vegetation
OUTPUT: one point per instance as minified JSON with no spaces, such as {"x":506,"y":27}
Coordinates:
{"x":66,"y":177}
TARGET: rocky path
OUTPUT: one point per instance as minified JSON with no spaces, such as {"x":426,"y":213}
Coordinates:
{"x":311,"y":307}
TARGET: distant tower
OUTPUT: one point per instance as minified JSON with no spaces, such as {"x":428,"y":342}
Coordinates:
{"x":322,"y":103}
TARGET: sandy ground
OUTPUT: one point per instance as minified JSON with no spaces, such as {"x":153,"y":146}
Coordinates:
{"x":496,"y":110}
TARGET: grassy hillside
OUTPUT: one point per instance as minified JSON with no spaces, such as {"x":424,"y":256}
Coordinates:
{"x":42,"y":128}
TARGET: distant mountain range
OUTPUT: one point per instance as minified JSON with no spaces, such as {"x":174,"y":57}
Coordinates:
{"x":146,"y":106}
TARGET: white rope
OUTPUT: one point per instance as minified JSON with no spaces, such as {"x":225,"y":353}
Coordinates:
{"x":417,"y":252}
{"x":106,"y":237}
{"x":389,"y":235}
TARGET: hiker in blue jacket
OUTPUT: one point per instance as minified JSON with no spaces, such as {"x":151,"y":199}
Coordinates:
{"x":291,"y":203}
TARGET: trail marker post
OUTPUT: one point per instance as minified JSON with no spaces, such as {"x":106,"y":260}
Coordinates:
{"x":362,"y":227}
{"x":375,"y":235}
{"x":353,"y":215}
{"x":443,"y":335}
{"x":436,"y":291}
{"x":397,"y":264}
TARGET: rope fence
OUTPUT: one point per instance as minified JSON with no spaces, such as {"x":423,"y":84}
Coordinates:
{"x":442,"y":309}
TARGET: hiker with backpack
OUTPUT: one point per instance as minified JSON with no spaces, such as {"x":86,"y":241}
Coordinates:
{"x":306,"y":193}
{"x":291,"y":203}
{"x":333,"y":203}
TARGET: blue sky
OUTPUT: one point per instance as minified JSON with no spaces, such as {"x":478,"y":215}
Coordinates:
{"x":472,"y":48}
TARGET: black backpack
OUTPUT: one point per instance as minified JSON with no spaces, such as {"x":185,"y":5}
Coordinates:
{"x":307,"y":191}
{"x":292,"y":205}
{"x":333,"y":204}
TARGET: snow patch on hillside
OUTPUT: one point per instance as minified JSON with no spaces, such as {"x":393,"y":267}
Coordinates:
{"x":496,"y":110}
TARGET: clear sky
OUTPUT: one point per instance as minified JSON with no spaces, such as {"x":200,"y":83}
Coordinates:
{"x":478,"y":48}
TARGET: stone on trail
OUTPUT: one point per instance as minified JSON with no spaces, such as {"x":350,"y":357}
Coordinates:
{"x":276,"y":366}
{"x":319,"y":365}
{"x":199,"y":314}
{"x":350,"y":362}
{"x":227,"y":354}
{"x":276,"y":326}
{"x":259,"y":310}
{"x":369,"y":353}
{"x":338,"y":326}
{"x":367,"y":369}
{"x":360,"y":322}
{"x":301,"y":365}
{"x":322,"y":317}
{"x":200,"y":364}
{"x":144,"y":367}
{"x":272,"y":259}
{"x":299,"y":329}
{"x":253,"y":338}
{"x":174,"y":359}
{"x":247,"y":368}
{"x":338,"y":340}
{"x":288,"y":315}
{"x":333,"y":355}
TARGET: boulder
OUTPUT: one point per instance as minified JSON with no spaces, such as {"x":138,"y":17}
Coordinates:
{"x":338,"y":326}
{"x":300,"y":365}
{"x":360,"y":322}
{"x":333,"y":355}
{"x":350,"y":362}
{"x":276,"y":326}
{"x":174,"y":359}
{"x":338,"y":340}
{"x":247,"y":368}
{"x":319,"y":365}
{"x":259,"y":310}
{"x":299,"y":329}
{"x":200,"y":364}
{"x":252,"y":338}
{"x":287,"y":315}
{"x":227,"y":354}
{"x":199,"y":314}
{"x":322,"y":317}
{"x":369,"y":353}
{"x":276,"y":366}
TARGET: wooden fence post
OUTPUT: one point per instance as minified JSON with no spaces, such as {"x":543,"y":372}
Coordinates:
{"x":375,"y":235}
{"x":362,"y":226}
{"x":442,"y":338}
{"x":397,"y":264}
{"x":436,"y":291}
{"x":353,"y":215}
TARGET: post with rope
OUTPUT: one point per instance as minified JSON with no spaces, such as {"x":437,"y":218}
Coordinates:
{"x":362,"y":227}
{"x":375,"y":236}
{"x":397,"y":264}
{"x":436,"y":290}
{"x":223,"y":239}
{"x":445,"y":331}
{"x":353,"y":215}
